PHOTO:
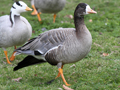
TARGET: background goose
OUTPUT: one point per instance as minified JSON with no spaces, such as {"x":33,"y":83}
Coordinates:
{"x":47,"y":6}
{"x":59,"y":46}
{"x":14,"y":29}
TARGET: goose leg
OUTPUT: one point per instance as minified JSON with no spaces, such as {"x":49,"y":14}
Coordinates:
{"x":35,"y":11}
{"x":61,"y":73}
{"x":5,"y":52}
{"x":54,"y":17}
{"x":38,"y":15}
{"x":13,"y":57}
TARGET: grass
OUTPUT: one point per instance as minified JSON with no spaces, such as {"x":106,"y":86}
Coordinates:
{"x":94,"y":72}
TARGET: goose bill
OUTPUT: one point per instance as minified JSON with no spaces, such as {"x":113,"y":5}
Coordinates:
{"x":91,"y":11}
{"x":28,"y":9}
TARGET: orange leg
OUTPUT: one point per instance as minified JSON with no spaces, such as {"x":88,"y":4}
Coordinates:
{"x":13,"y":57}
{"x":61,"y":73}
{"x":38,"y":15}
{"x":54,"y":17}
{"x":5,"y":52}
{"x":35,"y":11}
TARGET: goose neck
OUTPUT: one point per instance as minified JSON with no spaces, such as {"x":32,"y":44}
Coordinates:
{"x":12,"y":18}
{"x":78,"y":21}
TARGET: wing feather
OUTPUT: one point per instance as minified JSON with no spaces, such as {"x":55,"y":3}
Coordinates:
{"x":44,"y":42}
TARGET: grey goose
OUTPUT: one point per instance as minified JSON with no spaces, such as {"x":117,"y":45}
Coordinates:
{"x":59,"y":46}
{"x":47,"y":6}
{"x":14,"y":29}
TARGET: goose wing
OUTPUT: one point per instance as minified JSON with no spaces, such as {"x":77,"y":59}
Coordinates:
{"x":44,"y":42}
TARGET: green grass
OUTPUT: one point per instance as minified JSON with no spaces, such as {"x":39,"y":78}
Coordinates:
{"x":94,"y":72}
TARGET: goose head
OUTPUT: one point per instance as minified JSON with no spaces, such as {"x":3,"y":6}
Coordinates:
{"x":19,"y":7}
{"x":83,"y":9}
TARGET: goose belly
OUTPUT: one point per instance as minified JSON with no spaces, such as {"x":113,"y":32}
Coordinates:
{"x":21,"y":37}
{"x":13,"y":40}
{"x":72,"y":56}
{"x":66,"y":54}
{"x":49,"y":6}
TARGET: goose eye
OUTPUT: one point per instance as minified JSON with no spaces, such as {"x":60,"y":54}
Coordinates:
{"x":18,"y":4}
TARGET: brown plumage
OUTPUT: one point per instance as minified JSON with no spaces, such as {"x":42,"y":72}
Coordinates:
{"x":60,"y":46}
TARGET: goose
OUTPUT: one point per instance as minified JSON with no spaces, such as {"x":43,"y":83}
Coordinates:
{"x":59,"y":46}
{"x":47,"y":6}
{"x":14,"y":29}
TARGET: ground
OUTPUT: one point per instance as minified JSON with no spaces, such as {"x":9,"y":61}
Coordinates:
{"x":99,"y":70}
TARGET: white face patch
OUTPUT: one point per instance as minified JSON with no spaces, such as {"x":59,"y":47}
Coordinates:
{"x":18,"y":7}
{"x":88,"y":9}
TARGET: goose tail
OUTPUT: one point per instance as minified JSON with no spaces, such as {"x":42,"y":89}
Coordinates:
{"x":28,"y":61}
